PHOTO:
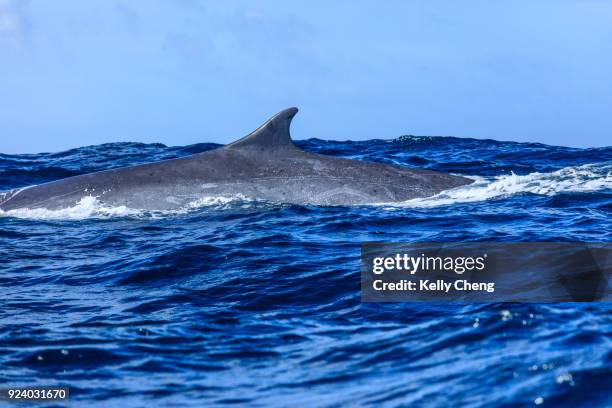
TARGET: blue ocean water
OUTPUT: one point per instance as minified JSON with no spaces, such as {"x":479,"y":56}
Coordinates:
{"x":239,"y":302}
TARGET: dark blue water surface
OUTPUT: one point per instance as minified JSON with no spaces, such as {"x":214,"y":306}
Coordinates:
{"x":241,"y":302}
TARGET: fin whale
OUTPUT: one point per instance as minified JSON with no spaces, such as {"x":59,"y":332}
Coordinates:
{"x":263,"y":165}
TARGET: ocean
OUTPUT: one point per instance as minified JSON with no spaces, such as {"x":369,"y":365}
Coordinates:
{"x":231,"y":301}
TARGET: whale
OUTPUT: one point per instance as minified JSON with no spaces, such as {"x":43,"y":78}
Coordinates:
{"x":264,"y":165}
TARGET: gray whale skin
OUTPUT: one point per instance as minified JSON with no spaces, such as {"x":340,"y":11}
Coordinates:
{"x":264,"y":165}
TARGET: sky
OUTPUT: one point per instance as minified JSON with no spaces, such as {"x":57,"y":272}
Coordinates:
{"x":75,"y":73}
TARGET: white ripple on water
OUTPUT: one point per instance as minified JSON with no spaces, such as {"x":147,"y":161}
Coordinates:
{"x":579,"y":179}
{"x":91,"y":207}
{"x":87,"y":207}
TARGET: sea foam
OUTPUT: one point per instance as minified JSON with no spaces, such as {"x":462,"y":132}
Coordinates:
{"x":580,"y":179}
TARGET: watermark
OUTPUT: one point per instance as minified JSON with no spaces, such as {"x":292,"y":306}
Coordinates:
{"x":486,"y":272}
{"x":17,"y":394}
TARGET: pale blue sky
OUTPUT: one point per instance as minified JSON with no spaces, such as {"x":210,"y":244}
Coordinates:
{"x":75,"y":73}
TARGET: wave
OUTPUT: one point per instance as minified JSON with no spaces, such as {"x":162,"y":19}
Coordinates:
{"x":87,"y":207}
{"x":577,"y":179}
{"x":90,"y":207}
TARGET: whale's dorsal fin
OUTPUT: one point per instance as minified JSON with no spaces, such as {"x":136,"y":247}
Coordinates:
{"x":272,"y":134}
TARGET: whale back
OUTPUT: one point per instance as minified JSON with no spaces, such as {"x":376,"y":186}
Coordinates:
{"x":265,"y":165}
